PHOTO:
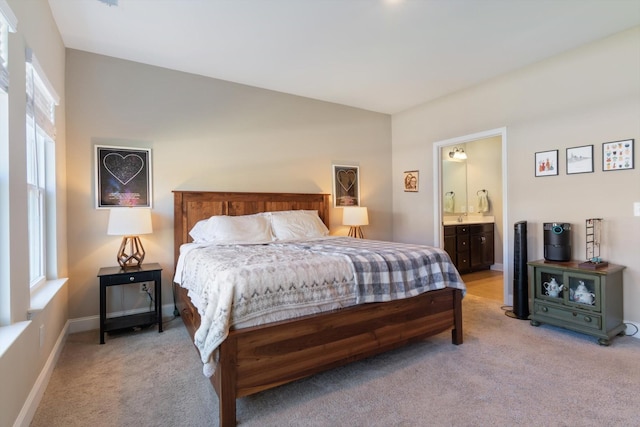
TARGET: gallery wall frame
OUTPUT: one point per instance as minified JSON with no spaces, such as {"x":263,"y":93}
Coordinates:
{"x":546,"y":163}
{"x":580,"y":159}
{"x":346,"y":186}
{"x":411,"y":180}
{"x":618,"y":155}
{"x":122,"y":177}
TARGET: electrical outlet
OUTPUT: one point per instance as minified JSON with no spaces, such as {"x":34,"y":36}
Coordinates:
{"x":144,"y":288}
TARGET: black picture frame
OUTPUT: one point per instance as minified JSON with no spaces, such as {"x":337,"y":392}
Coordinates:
{"x":122,"y":177}
{"x":580,"y":159}
{"x":618,"y":155}
{"x":546,"y":163}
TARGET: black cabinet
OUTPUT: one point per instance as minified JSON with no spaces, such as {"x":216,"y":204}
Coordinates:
{"x":114,"y":276}
{"x":470,"y":246}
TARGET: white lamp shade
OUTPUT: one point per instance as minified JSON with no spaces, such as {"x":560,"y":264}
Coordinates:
{"x":355,"y":216}
{"x":129,"y":222}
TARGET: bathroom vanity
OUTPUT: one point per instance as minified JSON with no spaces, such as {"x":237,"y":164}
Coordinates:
{"x":470,"y":244}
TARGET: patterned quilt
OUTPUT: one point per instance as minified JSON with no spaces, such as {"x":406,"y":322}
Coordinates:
{"x":386,"y":271}
{"x":247,"y":285}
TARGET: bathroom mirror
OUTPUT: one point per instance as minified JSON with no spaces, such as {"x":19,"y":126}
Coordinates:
{"x":454,"y":181}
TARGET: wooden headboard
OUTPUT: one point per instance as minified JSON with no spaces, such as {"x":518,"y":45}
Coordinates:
{"x":190,"y":207}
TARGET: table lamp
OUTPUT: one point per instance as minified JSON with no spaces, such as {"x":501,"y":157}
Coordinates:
{"x":355,"y":217}
{"x":129,"y":223}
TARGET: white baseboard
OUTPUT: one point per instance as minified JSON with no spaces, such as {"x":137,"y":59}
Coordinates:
{"x":37,"y":391}
{"x":497,"y":267}
{"x":89,"y":323}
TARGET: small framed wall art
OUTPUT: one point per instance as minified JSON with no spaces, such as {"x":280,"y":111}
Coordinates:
{"x":547,"y":163}
{"x":123,"y":177}
{"x":411,"y":181}
{"x":580,"y":159}
{"x":617,"y":155}
{"x":346,"y":186}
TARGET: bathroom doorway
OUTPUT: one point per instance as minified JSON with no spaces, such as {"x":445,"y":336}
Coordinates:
{"x":498,"y":195}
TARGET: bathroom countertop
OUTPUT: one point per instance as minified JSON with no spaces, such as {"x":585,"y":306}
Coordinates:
{"x":467,"y":219}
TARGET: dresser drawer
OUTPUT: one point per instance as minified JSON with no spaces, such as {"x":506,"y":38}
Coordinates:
{"x":576,"y":317}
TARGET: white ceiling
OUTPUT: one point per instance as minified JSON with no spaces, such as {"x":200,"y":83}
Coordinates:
{"x":380,"y":55}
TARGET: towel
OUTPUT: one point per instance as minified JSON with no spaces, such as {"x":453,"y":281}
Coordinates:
{"x":483,"y":201}
{"x":449,"y":202}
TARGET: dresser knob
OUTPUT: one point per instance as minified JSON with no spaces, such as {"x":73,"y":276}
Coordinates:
{"x":545,"y":309}
{"x":587,"y":319}
{"x":131,"y":279}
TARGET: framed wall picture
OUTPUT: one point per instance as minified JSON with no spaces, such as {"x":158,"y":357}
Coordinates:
{"x":411,"y":181}
{"x":617,"y":155}
{"x":547,"y":163}
{"x":123,"y":177}
{"x":580,"y":159}
{"x":346,"y":186}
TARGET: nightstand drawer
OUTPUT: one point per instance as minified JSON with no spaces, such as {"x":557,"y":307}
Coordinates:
{"x":133,"y":277}
{"x":576,"y":317}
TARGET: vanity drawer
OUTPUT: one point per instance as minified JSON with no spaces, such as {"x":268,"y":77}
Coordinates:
{"x":462,"y":243}
{"x":481,"y":228}
{"x":576,"y":317}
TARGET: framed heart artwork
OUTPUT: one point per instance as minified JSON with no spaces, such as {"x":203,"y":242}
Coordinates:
{"x":123,"y":177}
{"x":346,"y":186}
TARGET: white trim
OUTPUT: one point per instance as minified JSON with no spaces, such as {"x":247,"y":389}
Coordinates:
{"x":437,"y":195}
{"x":37,"y":391}
{"x":10,"y":333}
{"x":9,"y":17}
{"x":89,"y":323}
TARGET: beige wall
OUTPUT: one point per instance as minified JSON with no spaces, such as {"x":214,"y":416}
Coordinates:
{"x":586,"y":96}
{"x":23,"y":359}
{"x":205,"y":134}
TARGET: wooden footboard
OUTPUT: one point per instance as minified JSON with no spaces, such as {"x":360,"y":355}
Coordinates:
{"x":263,"y":357}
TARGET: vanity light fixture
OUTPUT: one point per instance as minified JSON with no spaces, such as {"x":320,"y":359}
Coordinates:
{"x":458,"y":154}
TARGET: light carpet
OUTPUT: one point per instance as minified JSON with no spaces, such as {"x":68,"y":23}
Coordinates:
{"x":507,"y":373}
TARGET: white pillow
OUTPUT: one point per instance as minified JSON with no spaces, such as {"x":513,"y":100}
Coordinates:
{"x":300,"y":224}
{"x":233,"y":229}
{"x":199,"y":231}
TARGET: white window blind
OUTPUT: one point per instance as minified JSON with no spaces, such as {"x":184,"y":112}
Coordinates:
{"x":41,"y":98}
{"x":8,"y":23}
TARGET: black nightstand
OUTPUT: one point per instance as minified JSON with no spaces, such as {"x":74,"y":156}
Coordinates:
{"x":112,"y":276}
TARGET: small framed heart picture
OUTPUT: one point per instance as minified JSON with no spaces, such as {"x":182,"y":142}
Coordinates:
{"x":123,"y":177}
{"x":346,"y":186}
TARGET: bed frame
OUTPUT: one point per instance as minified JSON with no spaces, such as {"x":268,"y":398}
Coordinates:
{"x":262,"y":357}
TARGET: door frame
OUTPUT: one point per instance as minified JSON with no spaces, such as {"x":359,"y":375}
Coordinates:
{"x":437,"y":197}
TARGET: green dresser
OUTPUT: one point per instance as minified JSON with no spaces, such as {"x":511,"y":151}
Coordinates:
{"x":583,"y":300}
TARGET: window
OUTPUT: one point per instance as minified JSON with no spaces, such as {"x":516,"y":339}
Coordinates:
{"x":41,"y":102}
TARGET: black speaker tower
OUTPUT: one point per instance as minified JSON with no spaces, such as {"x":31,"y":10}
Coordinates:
{"x":520,"y":273}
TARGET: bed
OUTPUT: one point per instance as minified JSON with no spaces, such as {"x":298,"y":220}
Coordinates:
{"x":256,"y":358}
